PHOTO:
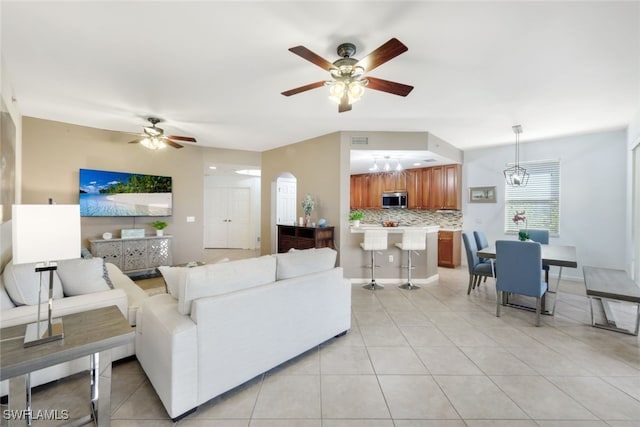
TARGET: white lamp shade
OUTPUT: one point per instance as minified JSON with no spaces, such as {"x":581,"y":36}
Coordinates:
{"x":43,"y":233}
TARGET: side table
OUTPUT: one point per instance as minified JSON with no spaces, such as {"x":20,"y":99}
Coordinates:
{"x":89,"y":333}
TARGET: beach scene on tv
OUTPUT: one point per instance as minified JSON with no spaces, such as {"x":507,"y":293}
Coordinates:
{"x":106,"y":193}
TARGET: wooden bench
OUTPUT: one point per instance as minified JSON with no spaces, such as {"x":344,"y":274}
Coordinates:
{"x":607,"y":285}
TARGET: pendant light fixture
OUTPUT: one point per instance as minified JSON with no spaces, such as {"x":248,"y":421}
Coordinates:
{"x":515,"y":175}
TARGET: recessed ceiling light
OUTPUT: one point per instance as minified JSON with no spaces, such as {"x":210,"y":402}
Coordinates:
{"x":212,"y":167}
{"x":417,"y":164}
{"x":250,"y":172}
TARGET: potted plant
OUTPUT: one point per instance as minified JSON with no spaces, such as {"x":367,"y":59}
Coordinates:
{"x":523,"y":235}
{"x":355,"y":218}
{"x":307,"y":207}
{"x":159,"y":226}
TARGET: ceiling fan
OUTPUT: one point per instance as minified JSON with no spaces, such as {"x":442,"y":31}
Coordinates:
{"x":348,"y":78}
{"x":153,"y":137}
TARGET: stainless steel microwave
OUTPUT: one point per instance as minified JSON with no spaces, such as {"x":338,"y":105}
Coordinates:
{"x":394,"y":200}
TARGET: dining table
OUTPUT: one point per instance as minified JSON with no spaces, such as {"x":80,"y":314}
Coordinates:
{"x":555,"y":255}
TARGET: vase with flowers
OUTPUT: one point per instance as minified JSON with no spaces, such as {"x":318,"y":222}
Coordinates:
{"x":523,"y":235}
{"x":307,"y":207}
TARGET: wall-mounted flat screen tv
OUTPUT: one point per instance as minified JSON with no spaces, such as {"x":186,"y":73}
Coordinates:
{"x":107,"y":193}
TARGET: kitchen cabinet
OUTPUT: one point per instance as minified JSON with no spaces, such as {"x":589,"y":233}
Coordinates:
{"x":449,"y":248}
{"x":393,"y":182}
{"x":414,"y":188}
{"x":431,"y":188}
{"x":441,"y":187}
{"x":359,"y":192}
{"x":375,"y":191}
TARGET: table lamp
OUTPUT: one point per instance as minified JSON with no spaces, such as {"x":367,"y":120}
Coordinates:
{"x":43,"y":234}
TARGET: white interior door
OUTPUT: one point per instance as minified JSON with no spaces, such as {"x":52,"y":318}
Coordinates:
{"x":227,"y":218}
{"x":239,"y":216}
{"x":286,"y":189}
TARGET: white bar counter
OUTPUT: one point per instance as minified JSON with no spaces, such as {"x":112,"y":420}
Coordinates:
{"x":390,"y":262}
{"x":395,"y":230}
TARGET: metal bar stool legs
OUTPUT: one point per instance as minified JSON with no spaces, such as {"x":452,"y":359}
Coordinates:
{"x":374,"y":240}
{"x":409,"y":284}
{"x":373,"y":285}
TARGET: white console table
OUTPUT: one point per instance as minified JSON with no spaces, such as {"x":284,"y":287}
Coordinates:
{"x":134,"y":254}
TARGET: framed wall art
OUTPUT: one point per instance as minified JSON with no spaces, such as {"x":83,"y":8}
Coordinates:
{"x":482,"y":194}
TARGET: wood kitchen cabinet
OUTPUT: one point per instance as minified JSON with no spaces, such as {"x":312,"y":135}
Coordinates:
{"x":432,"y":188}
{"x":375,"y":183}
{"x":449,"y":248}
{"x":413,"y":179}
{"x":393,"y":182}
{"x":359,"y":192}
{"x":441,"y":187}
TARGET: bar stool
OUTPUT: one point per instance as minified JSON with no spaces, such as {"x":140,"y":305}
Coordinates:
{"x":374,"y":240}
{"x":412,"y":240}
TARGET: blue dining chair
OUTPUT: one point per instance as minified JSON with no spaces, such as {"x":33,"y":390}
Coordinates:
{"x":477,"y":269}
{"x":541,"y":236}
{"x":481,"y":242}
{"x":519,"y":271}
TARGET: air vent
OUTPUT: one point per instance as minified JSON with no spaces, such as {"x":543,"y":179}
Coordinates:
{"x":359,"y":140}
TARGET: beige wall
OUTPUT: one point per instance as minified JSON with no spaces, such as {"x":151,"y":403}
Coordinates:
{"x":53,"y":153}
{"x":316,"y":164}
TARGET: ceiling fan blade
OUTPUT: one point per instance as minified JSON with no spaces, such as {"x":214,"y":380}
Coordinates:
{"x":172,"y":143}
{"x":135,"y":141}
{"x":389,"y":86}
{"x":182,"y":138}
{"x":303,"y":88}
{"x":384,"y":53}
{"x":312,"y":57}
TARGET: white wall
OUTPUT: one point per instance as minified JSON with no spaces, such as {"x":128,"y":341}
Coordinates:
{"x":10,"y":101}
{"x":214,"y":181}
{"x":593,"y":198}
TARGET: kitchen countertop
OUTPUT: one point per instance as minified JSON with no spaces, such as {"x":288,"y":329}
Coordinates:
{"x":399,"y":229}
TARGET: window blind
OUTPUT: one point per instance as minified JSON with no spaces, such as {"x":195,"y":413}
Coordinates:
{"x":540,"y":199}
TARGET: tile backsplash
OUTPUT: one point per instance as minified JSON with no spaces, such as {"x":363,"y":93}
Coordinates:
{"x":445,"y":219}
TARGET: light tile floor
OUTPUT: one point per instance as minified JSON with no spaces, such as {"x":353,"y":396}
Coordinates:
{"x":431,"y":357}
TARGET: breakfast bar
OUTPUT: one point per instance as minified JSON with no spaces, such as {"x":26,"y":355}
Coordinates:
{"x":392,"y":260}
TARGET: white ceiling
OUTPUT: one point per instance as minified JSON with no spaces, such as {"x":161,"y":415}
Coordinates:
{"x":214,"y":70}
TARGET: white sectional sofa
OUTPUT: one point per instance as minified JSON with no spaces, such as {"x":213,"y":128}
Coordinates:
{"x":79,"y":285}
{"x":222,"y":324}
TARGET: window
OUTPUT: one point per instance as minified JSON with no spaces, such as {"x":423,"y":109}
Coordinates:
{"x":540,"y":199}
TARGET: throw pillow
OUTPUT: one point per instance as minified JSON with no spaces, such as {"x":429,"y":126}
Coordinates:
{"x":171,"y":276}
{"x":105,"y":274}
{"x":5,"y":301}
{"x":82,"y":276}
{"x":22,"y":283}
{"x":85,"y":253}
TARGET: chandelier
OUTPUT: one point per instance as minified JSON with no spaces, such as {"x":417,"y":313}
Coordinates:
{"x":515,"y":175}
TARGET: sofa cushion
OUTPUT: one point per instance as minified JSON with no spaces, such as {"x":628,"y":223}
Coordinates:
{"x":22,"y":283}
{"x":298,"y":263}
{"x":5,"y":301}
{"x":215,"y":279}
{"x":82,"y":276}
{"x":171,"y":276}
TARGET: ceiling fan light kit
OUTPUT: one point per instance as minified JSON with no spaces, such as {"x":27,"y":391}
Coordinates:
{"x":348,"y":78}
